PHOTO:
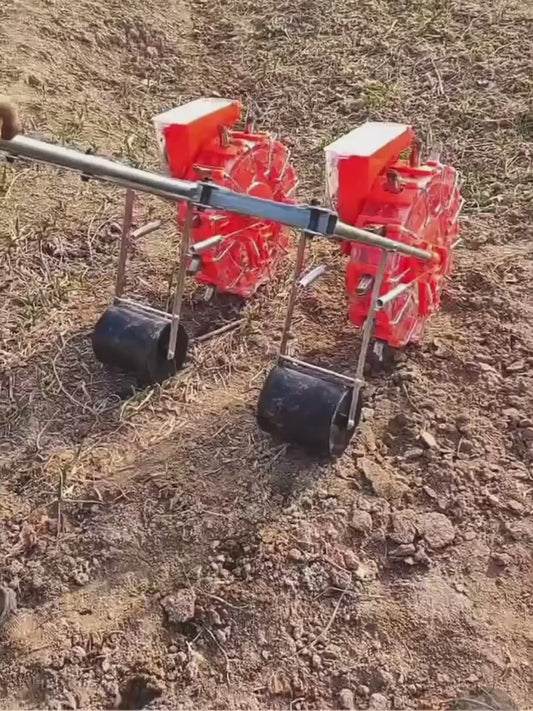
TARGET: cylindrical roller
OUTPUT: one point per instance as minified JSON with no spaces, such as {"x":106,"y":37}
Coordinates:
{"x":307,"y":410}
{"x":138,"y":342}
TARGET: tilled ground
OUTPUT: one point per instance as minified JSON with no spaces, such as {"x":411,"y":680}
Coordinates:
{"x":199,"y":563}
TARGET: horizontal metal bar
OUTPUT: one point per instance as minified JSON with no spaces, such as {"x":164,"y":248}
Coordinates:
{"x":204,"y":244}
{"x":226,"y":328}
{"x":317,"y":369}
{"x":356,"y":234}
{"x":146,"y":229}
{"x":389,"y":296}
{"x":101,"y":168}
{"x":312,"y":219}
{"x":311,"y":276}
{"x":142,"y":307}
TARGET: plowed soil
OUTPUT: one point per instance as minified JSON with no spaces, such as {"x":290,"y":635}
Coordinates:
{"x":192,"y":561}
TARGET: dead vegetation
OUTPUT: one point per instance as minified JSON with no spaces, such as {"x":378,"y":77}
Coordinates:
{"x":300,"y":600}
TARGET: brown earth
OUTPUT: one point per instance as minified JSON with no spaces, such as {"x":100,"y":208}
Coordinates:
{"x":199,"y":563}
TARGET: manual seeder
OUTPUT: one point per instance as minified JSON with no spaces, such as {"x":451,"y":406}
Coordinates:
{"x":395,"y":216}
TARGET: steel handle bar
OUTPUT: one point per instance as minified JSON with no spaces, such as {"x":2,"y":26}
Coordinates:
{"x":313,"y":220}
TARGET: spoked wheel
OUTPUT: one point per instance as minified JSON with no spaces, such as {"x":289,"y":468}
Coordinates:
{"x":137,"y":343}
{"x":306,"y":410}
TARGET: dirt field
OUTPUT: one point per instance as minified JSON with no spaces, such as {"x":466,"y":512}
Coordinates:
{"x":200,"y":564}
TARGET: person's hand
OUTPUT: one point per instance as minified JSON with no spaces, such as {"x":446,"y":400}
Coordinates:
{"x":10,"y":124}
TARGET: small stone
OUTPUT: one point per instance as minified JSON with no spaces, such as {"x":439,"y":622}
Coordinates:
{"x":106,"y":665}
{"x":527,"y":434}
{"x":501,"y":559}
{"x":361,"y":521}
{"x":181,"y":658}
{"x":421,"y":556}
{"x":366,"y":571}
{"x":341,"y":579}
{"x":515,"y":506}
{"x":403,"y":550}
{"x":403,"y":526}
{"x":427,"y":439}
{"x":522,"y":530}
{"x":407,"y":375}
{"x":346,"y":699}
{"x":378,"y":702}
{"x":351,"y":561}
{"x":8,"y":602}
{"x":265,"y":654}
{"x":180,"y":607}
{"x":363,"y":690}
{"x":516,"y":367}
{"x":214,"y":618}
{"x":437,"y":529}
{"x":430,"y":492}
{"x":70,"y":700}
{"x":80,"y":578}
{"x":78,"y":652}
{"x":221,"y":635}
{"x":34,"y":81}
{"x":412,"y":454}
{"x":486,"y":368}
{"x":316,"y":661}
{"x":493,"y":500}
{"x":279,"y":684}
{"x":15,"y":567}
{"x":465,"y":447}
{"x":379,"y":536}
{"x":332,"y":651}
{"x":383,"y":482}
{"x":399,"y":421}
{"x":511,"y":413}
{"x":296,"y":555}
{"x":384,"y":679}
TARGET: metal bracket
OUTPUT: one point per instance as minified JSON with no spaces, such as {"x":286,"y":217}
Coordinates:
{"x":311,"y":276}
{"x":180,"y":281}
{"x":125,"y":239}
{"x":298,"y":266}
{"x":367,"y":334}
{"x":321,"y":221}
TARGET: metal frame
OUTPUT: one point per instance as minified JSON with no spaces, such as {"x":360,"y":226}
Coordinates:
{"x":310,"y":219}
{"x":180,"y":282}
{"x":187,"y":251}
{"x":376,"y":303}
